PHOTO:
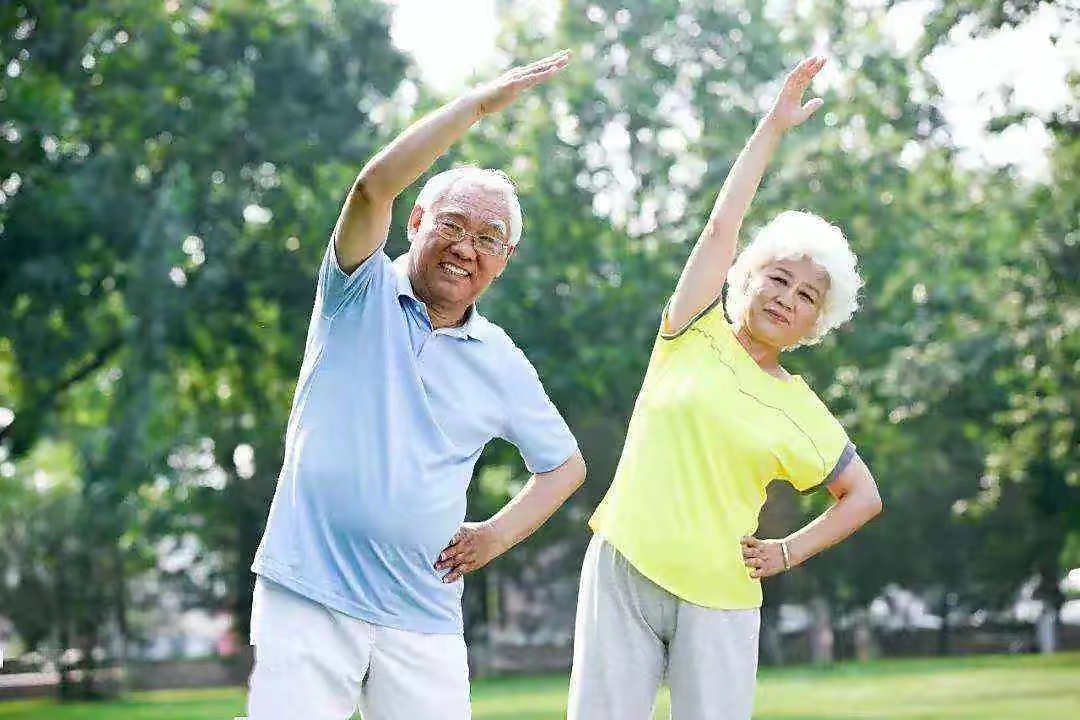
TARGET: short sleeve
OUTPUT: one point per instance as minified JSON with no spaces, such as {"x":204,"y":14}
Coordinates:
{"x":336,"y":288}
{"x":533,"y":424}
{"x":712,"y":314}
{"x":819,"y":453}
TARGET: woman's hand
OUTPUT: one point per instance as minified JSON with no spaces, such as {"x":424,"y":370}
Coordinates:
{"x":765,"y":558}
{"x":788,"y":110}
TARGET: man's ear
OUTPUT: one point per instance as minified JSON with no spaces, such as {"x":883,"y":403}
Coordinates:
{"x":415,"y":218}
{"x":509,"y":254}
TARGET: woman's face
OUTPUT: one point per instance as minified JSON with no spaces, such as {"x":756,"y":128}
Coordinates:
{"x":786,"y":298}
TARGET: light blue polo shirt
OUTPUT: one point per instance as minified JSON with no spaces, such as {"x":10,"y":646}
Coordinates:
{"x":387,"y":423}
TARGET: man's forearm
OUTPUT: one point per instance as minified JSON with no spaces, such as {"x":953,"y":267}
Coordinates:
{"x":412,"y":152}
{"x":536,"y":502}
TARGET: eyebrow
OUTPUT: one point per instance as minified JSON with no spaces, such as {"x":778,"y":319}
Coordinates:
{"x":790,"y":274}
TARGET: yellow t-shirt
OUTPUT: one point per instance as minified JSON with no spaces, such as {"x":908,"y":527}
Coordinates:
{"x":710,"y":431}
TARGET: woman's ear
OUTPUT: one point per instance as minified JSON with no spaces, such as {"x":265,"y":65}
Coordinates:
{"x":415,"y":218}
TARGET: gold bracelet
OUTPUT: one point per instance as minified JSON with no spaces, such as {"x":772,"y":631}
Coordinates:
{"x":787,"y":557}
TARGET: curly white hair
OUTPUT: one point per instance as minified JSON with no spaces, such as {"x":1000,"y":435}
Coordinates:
{"x":440,"y":184}
{"x":795,"y":234}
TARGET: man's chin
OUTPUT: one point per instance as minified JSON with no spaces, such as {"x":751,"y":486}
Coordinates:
{"x":450,"y":291}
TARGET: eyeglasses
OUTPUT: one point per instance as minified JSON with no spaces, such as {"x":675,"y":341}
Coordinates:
{"x":487,"y":244}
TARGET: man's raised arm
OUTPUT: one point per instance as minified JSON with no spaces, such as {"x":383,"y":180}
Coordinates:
{"x":364,"y":222}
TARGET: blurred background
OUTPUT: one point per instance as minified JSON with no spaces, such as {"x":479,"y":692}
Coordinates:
{"x":169,"y":175}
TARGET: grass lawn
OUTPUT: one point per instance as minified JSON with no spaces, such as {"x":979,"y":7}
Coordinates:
{"x":987,"y":688}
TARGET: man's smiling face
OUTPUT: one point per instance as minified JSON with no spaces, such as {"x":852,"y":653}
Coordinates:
{"x":453,"y":274}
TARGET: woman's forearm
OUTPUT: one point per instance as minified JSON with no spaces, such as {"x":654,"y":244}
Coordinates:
{"x":741,"y":185}
{"x":838,"y":522}
{"x":707,"y":266}
{"x":703,"y":275}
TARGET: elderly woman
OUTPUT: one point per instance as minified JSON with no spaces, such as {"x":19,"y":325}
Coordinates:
{"x":671,"y":579}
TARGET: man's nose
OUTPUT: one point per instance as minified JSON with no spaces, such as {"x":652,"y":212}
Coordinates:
{"x":464,"y":248}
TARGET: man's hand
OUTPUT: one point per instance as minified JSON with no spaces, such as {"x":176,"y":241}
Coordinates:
{"x":472,"y":547}
{"x":788,"y":110}
{"x":764,"y":557}
{"x":503,"y":90}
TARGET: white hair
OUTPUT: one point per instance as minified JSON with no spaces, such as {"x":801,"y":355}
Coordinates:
{"x":791,"y":235}
{"x":438,"y":185}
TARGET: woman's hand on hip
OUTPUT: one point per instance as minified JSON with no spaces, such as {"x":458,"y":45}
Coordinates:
{"x":764,"y":558}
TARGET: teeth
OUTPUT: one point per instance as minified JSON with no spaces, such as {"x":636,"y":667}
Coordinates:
{"x":454,"y":270}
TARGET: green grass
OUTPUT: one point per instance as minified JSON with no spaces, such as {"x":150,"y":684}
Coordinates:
{"x":987,"y":688}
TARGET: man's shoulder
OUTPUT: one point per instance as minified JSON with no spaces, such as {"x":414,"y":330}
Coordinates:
{"x":497,"y":340}
{"x":491,"y":334}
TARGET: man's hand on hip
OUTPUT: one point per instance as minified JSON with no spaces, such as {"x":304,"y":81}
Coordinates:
{"x":472,"y":547}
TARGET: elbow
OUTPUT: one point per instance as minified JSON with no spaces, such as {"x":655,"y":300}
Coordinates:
{"x":580,"y":471}
{"x":874,"y":505}
{"x":365,"y":192}
{"x":574,"y":471}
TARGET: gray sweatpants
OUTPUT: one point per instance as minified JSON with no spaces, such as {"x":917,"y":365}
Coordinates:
{"x":630,"y":632}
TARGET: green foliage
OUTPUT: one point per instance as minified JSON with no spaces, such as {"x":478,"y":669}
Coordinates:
{"x":177,"y":168}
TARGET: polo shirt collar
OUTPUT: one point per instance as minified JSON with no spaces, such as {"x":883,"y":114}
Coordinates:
{"x":476,"y":326}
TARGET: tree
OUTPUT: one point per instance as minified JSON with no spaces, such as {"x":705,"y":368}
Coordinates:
{"x":147,"y":148}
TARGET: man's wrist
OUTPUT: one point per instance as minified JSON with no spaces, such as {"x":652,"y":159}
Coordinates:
{"x":474,"y":100}
{"x":501,"y":537}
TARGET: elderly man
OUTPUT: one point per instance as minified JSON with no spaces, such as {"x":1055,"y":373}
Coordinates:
{"x":403,"y":383}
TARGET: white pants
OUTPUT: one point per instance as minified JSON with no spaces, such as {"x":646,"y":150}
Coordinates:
{"x":631,"y":633}
{"x":314,"y":663}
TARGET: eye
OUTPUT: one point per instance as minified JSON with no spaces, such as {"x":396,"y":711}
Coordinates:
{"x":806,"y":296}
{"x":780,"y":279}
{"x":448,"y":228}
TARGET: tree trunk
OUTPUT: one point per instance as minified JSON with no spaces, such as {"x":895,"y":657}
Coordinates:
{"x":865,"y":645}
{"x":1046,"y":631}
{"x":822,"y":641}
{"x":948,"y":603}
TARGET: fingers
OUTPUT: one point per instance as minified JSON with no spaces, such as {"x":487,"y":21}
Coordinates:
{"x":799,"y":78}
{"x":453,"y":555}
{"x":460,"y":546}
{"x":755,"y":557}
{"x":456,"y":571}
{"x":809,"y":109}
{"x":808,"y":68}
{"x":558,"y":59}
{"x":458,"y":560}
{"x":537,"y":72}
{"x":462,"y":555}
